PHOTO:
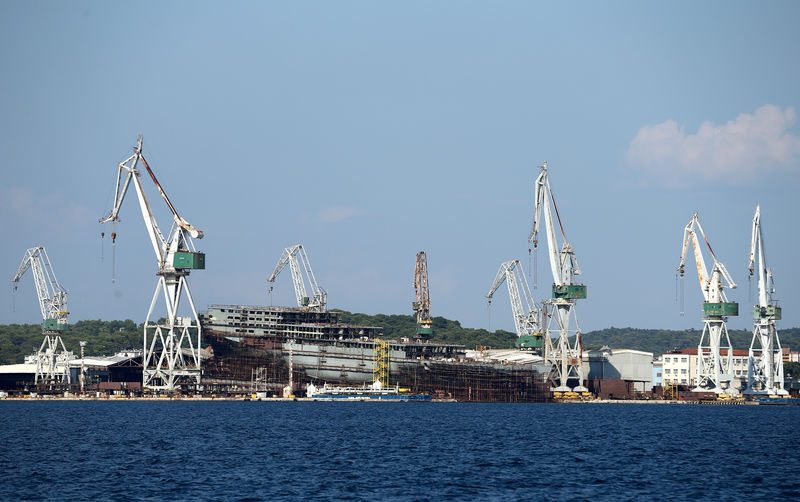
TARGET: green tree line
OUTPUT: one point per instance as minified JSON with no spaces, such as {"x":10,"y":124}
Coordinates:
{"x":102,"y":338}
{"x":656,"y":341}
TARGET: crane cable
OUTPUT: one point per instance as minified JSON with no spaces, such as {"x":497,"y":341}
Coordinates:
{"x":113,"y":252}
{"x":489,"y":311}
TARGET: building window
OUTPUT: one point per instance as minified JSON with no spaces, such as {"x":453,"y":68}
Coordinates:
{"x":667,"y":371}
{"x":683,"y":380}
{"x":666,"y":359}
{"x":683,"y":359}
{"x":683,"y":371}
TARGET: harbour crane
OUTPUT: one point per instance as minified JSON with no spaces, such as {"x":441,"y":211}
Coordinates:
{"x":52,"y":357}
{"x":172,"y":347}
{"x":564,"y":356}
{"x":423,"y":304}
{"x":528,"y":318}
{"x":715,"y":370}
{"x":764,"y":360}
{"x":298,"y":262}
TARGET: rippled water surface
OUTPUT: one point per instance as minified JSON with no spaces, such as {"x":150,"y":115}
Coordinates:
{"x":396,"y":451}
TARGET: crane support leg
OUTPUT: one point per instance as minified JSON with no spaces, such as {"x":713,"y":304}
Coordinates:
{"x":172,"y":347}
{"x":565,"y":356}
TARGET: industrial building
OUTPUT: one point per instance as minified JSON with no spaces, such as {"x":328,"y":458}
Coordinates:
{"x":120,"y":371}
{"x":619,"y":373}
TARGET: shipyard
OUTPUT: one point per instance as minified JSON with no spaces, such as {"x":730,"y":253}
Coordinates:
{"x":307,"y":352}
{"x":399,"y":251}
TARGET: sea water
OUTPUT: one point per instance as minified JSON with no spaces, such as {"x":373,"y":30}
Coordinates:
{"x":180,"y":450}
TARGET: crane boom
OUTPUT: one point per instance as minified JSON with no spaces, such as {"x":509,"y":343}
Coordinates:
{"x":711,"y":285}
{"x":766,"y":285}
{"x":423,"y":304}
{"x":528,"y":320}
{"x":297,"y":259}
{"x":52,"y":297}
{"x":563,"y":261}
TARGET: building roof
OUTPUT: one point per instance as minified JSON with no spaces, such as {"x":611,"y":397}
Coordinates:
{"x":693,"y":352}
{"x":103,"y":361}
{"x":619,"y":351}
{"x":18,"y":368}
{"x":510,"y":356}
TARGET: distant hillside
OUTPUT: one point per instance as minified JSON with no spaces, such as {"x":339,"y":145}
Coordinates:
{"x":102,"y":337}
{"x":659,"y":341}
{"x":656,"y":341}
{"x":107,"y":337}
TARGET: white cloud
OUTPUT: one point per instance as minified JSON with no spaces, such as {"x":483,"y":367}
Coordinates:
{"x":335,"y":214}
{"x":731,"y":153}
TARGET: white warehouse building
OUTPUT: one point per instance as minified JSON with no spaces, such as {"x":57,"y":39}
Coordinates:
{"x":620,"y":364}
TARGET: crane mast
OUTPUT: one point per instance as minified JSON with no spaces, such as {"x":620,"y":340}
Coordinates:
{"x":171,"y":355}
{"x":52,"y":357}
{"x":765,"y":360}
{"x":564,"y":357}
{"x":715,"y":369}
{"x":423,"y":304}
{"x":528,"y":317}
{"x":298,"y":262}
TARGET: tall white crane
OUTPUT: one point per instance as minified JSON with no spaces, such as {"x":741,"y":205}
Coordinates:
{"x":171,"y":348}
{"x":298,"y":262}
{"x":52,"y":357}
{"x":715,"y":370}
{"x":565,"y":357}
{"x":528,"y":317}
{"x":765,"y":360}
{"x":423,"y":304}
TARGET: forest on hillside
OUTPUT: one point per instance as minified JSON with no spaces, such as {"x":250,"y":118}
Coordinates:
{"x":108,"y":337}
{"x":102,"y":337}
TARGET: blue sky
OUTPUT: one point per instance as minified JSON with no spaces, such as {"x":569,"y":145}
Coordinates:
{"x":368,"y":131}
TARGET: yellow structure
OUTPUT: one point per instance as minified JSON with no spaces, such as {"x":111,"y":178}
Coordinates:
{"x":380,"y":368}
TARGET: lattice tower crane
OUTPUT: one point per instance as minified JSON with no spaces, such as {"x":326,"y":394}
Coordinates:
{"x":564,"y":356}
{"x":528,"y":317}
{"x":765,"y":358}
{"x":52,"y":358}
{"x":298,"y":262}
{"x":423,"y":304}
{"x":172,"y":354}
{"x":715,"y":369}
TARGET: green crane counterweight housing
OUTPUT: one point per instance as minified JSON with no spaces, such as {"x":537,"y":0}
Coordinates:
{"x":189,"y":259}
{"x":569,"y":291}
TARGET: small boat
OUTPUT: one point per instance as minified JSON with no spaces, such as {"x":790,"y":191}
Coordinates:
{"x":777,"y":400}
{"x":375,"y":392}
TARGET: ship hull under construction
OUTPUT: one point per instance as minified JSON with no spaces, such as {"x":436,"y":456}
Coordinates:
{"x":254,"y":347}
